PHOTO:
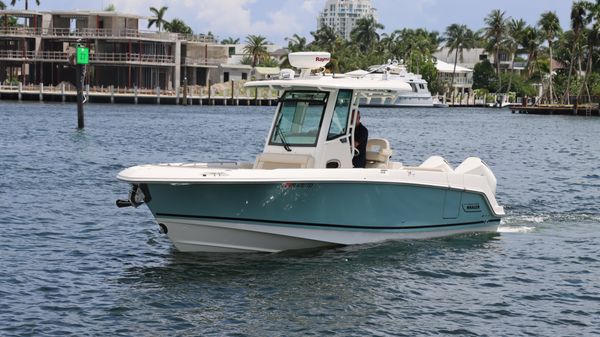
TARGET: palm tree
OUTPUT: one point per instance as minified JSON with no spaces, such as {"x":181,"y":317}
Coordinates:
{"x":325,"y":38}
{"x":511,"y":43}
{"x":14,"y":2}
{"x":2,"y":5}
{"x":593,"y":39}
{"x":110,"y":8}
{"x":531,"y":40}
{"x":256,"y":47}
{"x":550,"y":27}
{"x":296,"y":43}
{"x":178,"y":26}
{"x":578,"y":22}
{"x":158,"y":18}
{"x":365,"y":32}
{"x":495,"y":31}
{"x":230,"y":40}
{"x":458,"y":38}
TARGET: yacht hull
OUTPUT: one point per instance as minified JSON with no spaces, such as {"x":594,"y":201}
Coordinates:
{"x":276,"y":216}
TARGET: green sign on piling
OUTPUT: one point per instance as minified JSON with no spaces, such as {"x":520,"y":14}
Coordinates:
{"x":83,"y":55}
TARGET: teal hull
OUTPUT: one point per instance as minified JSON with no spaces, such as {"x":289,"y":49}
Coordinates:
{"x":362,"y":207}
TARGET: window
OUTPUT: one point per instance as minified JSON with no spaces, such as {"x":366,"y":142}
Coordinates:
{"x":339,"y":122}
{"x":299,"y":118}
{"x":244,"y":76}
{"x":231,"y":51}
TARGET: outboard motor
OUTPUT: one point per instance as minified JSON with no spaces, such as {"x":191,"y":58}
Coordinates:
{"x":138,"y":195}
{"x":476,"y":166}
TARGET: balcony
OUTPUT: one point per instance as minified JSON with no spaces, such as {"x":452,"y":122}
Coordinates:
{"x":101,"y":33}
{"x":97,"y":58}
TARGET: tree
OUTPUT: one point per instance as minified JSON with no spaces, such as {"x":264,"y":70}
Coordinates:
{"x":494,"y":32}
{"x":178,"y":26}
{"x":484,"y":75}
{"x":550,"y":28}
{"x":511,"y":43}
{"x":365,"y":33}
{"x":531,"y":40}
{"x":158,"y":18}
{"x":296,"y":43}
{"x":2,"y":5}
{"x":256,"y":48}
{"x":578,"y":22}
{"x":458,"y":38}
{"x":110,"y":8}
{"x":230,"y":40}
{"x":415,"y":46}
{"x":325,"y":38}
{"x":14,"y":2}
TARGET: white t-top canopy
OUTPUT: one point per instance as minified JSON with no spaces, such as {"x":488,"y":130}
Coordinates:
{"x":330,"y":82}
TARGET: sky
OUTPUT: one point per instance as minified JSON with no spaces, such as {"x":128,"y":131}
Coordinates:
{"x":278,"y":19}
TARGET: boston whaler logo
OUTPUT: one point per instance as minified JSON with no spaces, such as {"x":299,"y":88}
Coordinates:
{"x":472,"y":207}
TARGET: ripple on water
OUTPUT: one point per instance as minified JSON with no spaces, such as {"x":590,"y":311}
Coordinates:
{"x":74,"y":264}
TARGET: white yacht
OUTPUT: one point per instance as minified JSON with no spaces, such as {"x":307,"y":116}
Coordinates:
{"x":417,"y":96}
{"x":302,"y":190}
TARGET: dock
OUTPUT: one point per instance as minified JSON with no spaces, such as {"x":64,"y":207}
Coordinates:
{"x":572,"y":110}
{"x":112,"y":95}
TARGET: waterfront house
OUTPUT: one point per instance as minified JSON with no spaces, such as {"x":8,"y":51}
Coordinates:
{"x":35,"y":51}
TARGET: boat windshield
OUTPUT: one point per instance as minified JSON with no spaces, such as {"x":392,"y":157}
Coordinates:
{"x":299,"y":118}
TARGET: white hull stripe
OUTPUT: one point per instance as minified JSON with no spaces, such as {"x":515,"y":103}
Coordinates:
{"x":296,"y":223}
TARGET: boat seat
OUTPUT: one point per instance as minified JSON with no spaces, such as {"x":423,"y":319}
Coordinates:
{"x":378,"y":153}
{"x":270,"y":161}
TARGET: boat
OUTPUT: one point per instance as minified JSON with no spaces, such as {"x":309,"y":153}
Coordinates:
{"x":302,"y":191}
{"x":417,"y":96}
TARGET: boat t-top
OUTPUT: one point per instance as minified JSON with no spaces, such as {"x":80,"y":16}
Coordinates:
{"x":302,"y":190}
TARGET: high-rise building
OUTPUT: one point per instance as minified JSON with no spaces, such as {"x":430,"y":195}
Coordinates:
{"x":341,"y":15}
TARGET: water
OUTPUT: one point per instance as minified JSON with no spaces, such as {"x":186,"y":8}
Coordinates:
{"x":74,"y":264}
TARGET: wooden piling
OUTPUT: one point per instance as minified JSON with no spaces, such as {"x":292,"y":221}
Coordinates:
{"x":79,"y":86}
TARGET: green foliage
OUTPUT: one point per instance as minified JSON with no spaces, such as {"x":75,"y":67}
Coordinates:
{"x":14,"y":2}
{"x":268,"y":62}
{"x":594,"y":84}
{"x":484,"y":76}
{"x":246,"y":60}
{"x":110,"y":8}
{"x":178,"y":26}
{"x":158,"y":19}
{"x":365,"y":33}
{"x":518,"y":85}
{"x":230,"y":40}
{"x":256,"y":48}
{"x":429,"y":73}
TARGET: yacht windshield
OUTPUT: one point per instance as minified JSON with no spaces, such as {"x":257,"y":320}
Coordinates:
{"x":299,"y":119}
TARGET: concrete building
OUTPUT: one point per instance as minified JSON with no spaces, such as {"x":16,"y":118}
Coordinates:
{"x":341,"y":15}
{"x":234,"y":70}
{"x":35,"y":51}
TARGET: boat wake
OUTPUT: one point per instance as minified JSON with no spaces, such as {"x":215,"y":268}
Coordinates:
{"x":515,"y":229}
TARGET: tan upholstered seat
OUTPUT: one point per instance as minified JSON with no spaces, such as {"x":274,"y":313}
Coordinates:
{"x":378,"y":153}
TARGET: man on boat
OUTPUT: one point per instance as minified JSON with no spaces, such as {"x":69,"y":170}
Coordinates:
{"x":361,"y":134}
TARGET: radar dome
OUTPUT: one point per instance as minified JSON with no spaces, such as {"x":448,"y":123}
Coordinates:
{"x":309,"y":60}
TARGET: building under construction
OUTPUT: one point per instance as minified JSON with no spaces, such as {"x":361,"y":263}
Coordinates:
{"x":35,"y":45}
